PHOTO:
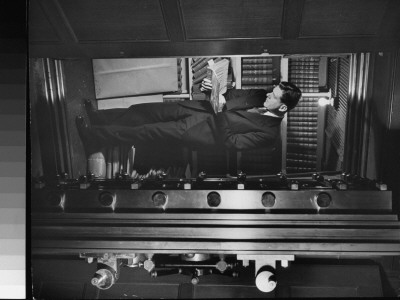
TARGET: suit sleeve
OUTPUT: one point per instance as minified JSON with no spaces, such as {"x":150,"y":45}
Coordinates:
{"x":245,"y":99}
{"x":243,"y":141}
{"x":236,"y":93}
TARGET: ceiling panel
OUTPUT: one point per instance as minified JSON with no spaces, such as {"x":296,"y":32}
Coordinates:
{"x":342,"y":17}
{"x":40,"y":29}
{"x":228,"y":19}
{"x":117,"y":20}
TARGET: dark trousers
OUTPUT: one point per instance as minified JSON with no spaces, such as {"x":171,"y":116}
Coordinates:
{"x":153,"y":123}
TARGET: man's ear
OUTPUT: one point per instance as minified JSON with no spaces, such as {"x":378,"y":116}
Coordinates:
{"x":283,"y":108}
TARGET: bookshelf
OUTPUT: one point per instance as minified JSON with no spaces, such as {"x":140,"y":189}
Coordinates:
{"x":305,"y":136}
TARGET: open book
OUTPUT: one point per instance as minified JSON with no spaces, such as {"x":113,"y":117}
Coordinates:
{"x":219,"y":79}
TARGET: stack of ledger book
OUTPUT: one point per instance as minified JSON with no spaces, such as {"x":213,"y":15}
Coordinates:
{"x":260,"y":72}
{"x":304,"y":73}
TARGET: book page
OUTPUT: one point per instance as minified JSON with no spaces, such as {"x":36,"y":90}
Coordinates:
{"x":214,"y":98}
{"x":219,"y":81}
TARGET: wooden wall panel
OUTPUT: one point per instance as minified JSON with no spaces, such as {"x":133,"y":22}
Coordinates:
{"x":162,"y":28}
{"x":139,"y":20}
{"x":342,"y":17}
{"x":229,"y":19}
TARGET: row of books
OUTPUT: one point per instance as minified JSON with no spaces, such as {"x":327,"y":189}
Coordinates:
{"x":302,"y":141}
{"x":304,"y":73}
{"x":299,"y":169}
{"x":260,"y":72}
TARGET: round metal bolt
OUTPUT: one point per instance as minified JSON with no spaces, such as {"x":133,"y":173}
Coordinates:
{"x":284,"y":263}
{"x":56,"y":199}
{"x":106,"y":198}
{"x":268,"y":199}
{"x":265,"y":281}
{"x":195,"y":280}
{"x":148,"y":265}
{"x":159,"y":199}
{"x":324,"y":199}
{"x":221,"y":266}
{"x":214,"y":199}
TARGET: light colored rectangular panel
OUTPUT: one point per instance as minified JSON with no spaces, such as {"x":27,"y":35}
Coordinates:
{"x":12,"y":292}
{"x":12,"y":138}
{"x":129,"y":77}
{"x":128,"y":101}
{"x":12,"y":231}
{"x":12,"y":200}
{"x":12,"y":262}
{"x":12,"y":215}
{"x":12,"y":122}
{"x":13,"y":153}
{"x":12,"y":277}
{"x":12,"y":184}
{"x":12,"y":91}
{"x":12,"y":169}
{"x":12,"y":247}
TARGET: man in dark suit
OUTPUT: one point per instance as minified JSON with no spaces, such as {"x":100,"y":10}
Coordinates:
{"x":249,"y":119}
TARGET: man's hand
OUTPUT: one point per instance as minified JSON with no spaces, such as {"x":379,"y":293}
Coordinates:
{"x":206,"y":85}
{"x":222,"y":102}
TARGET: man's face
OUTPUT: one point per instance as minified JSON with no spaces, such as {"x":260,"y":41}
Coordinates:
{"x":273,"y":100}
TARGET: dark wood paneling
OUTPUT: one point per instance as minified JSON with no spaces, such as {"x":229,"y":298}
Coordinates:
{"x":203,"y":48}
{"x":159,"y":28}
{"x":104,"y":20}
{"x":390,"y":25}
{"x":229,"y":19}
{"x":342,"y":17}
{"x":292,"y":18}
{"x":40,"y":29}
{"x":173,"y":20}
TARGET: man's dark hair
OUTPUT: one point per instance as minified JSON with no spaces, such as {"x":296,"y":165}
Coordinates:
{"x":291,"y":94}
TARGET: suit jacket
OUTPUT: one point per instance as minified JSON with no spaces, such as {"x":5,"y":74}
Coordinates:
{"x":237,"y":128}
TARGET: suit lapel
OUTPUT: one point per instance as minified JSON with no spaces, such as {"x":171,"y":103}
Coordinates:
{"x":258,"y":119}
